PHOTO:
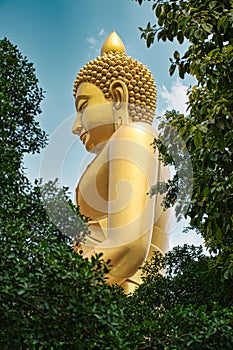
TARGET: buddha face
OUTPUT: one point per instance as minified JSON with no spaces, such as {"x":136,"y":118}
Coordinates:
{"x":95,"y":118}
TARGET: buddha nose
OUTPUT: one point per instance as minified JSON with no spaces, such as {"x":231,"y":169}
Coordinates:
{"x":77,"y":127}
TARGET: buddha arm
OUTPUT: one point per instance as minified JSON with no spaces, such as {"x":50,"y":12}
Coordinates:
{"x":130,"y":210}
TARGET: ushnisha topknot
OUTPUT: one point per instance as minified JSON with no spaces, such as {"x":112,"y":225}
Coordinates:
{"x":114,"y":64}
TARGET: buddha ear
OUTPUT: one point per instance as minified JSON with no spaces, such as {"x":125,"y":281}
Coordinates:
{"x":119,"y":92}
{"x":120,"y":97}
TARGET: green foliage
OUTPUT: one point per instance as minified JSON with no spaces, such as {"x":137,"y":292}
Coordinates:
{"x":186,"y":327}
{"x":188,"y":307}
{"x":50,"y":296}
{"x":20,"y":99}
{"x":190,"y":278}
{"x":208,"y":129}
{"x":172,"y":150}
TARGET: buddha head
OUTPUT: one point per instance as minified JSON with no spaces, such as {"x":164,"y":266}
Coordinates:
{"x":123,"y":88}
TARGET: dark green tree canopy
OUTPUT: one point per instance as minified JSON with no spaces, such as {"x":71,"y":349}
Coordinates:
{"x":207,"y":130}
{"x":189,"y":307}
{"x":20,"y":99}
{"x":50,"y":296}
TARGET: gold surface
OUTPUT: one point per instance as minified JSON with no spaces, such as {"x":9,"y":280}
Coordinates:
{"x":126,"y":225}
{"x":113,"y":43}
{"x":104,"y":72}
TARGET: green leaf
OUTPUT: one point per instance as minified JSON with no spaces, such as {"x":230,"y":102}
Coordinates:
{"x":176,"y":55}
{"x":203,"y":127}
{"x":198,"y":34}
{"x":158,"y":10}
{"x":207,"y":27}
{"x":197,"y":139}
{"x":212,"y":4}
{"x":213,"y":156}
{"x":180,"y":37}
{"x":172,"y":69}
{"x":181,"y":70}
{"x":21,"y":291}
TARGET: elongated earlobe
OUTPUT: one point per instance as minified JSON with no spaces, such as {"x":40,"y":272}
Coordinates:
{"x":120,"y":97}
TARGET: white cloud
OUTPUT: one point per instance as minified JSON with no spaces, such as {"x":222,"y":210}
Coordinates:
{"x":96,"y":42}
{"x":92,"y":41}
{"x":101,"y":32}
{"x":176,"y":98}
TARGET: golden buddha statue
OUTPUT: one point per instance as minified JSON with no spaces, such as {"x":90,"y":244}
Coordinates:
{"x":115,"y":98}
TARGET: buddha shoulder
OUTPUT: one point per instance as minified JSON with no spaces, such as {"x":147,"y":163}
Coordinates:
{"x":138,"y":132}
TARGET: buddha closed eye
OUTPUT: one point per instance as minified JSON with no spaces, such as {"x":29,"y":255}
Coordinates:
{"x":82,"y":104}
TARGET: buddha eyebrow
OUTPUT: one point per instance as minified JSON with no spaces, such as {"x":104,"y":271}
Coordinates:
{"x":80,"y":97}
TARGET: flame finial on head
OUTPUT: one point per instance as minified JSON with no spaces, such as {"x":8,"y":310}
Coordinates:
{"x":113,"y":43}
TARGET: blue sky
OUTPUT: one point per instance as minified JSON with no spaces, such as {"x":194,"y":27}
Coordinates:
{"x":59,"y":37}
